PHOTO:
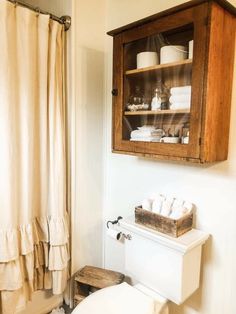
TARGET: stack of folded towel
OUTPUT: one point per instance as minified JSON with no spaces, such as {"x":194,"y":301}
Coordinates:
{"x":167,"y":206}
{"x":180,"y":97}
{"x":146,"y":134}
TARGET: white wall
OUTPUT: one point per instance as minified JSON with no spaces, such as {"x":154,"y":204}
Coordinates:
{"x":57,"y":7}
{"x":88,"y":44}
{"x":101,"y":193}
{"x":212,"y":188}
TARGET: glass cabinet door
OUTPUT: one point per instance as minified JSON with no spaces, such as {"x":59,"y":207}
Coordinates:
{"x":171,"y":86}
{"x":157,"y":87}
{"x":158,"y":81}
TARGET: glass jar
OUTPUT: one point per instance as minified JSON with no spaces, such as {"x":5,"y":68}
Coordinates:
{"x":137,"y":101}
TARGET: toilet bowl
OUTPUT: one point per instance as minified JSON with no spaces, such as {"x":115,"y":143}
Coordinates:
{"x":166,"y":269}
{"x":123,"y":299}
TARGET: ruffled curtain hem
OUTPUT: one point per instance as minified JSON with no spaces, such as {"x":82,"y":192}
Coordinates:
{"x":36,"y":254}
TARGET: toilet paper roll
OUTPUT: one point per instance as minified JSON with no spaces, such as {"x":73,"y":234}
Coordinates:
{"x":147,"y":59}
{"x":114,"y":234}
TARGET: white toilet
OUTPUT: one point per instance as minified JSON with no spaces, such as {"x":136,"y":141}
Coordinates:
{"x":165,"y":268}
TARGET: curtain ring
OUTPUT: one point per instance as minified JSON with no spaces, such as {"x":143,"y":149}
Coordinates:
{"x":38,"y":11}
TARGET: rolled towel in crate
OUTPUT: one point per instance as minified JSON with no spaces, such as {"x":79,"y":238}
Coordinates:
{"x":170,"y":226}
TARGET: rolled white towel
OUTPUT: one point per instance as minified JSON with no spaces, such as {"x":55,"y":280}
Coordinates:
{"x":177,"y":203}
{"x":188,"y":206}
{"x":166,"y":207}
{"x":179,"y":209}
{"x":146,"y":133}
{"x":147,"y":204}
{"x":157,"y":204}
{"x":181,"y":90}
{"x":180,"y":98}
{"x":139,"y":133}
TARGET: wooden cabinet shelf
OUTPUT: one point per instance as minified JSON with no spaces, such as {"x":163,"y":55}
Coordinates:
{"x":199,"y":80}
{"x":152,"y":112}
{"x":174,"y":66}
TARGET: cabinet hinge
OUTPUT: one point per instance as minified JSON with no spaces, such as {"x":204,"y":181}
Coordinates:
{"x":200,"y":141}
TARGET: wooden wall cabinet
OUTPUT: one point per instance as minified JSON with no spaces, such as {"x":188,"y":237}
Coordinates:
{"x":201,"y":125}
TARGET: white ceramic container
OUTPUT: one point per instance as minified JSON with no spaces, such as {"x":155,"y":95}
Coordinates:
{"x":171,"y":54}
{"x":147,"y":59}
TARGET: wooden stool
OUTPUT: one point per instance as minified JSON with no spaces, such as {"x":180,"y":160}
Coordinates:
{"x":90,"y":279}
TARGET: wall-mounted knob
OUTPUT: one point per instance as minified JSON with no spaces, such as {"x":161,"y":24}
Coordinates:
{"x":114,"y":92}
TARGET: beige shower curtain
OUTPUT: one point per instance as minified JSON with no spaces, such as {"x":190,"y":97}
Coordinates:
{"x":33,"y":203}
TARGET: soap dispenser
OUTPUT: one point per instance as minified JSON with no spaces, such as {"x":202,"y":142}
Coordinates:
{"x":160,"y":98}
{"x":156,"y":100}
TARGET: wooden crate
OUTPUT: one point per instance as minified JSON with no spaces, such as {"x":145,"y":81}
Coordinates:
{"x":90,"y":278}
{"x":169,"y":226}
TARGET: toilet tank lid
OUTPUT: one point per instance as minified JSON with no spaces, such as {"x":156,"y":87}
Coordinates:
{"x":183,"y":244}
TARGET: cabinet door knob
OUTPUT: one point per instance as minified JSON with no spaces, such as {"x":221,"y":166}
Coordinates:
{"x":114,"y":92}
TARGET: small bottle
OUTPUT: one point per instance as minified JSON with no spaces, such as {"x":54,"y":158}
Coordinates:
{"x":156,"y":100}
{"x":164,"y":101}
{"x":164,"y":97}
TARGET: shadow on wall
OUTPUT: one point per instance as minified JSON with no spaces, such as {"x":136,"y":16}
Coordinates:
{"x":89,"y":157}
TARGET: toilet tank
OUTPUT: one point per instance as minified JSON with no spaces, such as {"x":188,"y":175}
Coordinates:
{"x":169,"y":266}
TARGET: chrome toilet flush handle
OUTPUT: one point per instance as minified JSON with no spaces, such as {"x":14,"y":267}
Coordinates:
{"x":127,"y":236}
{"x":122,"y":235}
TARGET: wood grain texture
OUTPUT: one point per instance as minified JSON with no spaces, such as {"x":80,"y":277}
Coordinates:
{"x":98,"y":277}
{"x":78,"y":298}
{"x":224,"y":4}
{"x":90,"y":278}
{"x":218,"y":84}
{"x":117,"y":101}
{"x":211,"y":73}
{"x":159,"y":67}
{"x":161,"y":112}
{"x":166,"y":225}
{"x":198,"y":74}
{"x":159,"y":157}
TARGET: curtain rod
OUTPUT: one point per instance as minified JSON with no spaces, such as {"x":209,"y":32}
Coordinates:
{"x":66,"y":20}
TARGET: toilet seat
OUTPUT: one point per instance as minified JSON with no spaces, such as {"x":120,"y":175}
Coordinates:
{"x":119,"y":299}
